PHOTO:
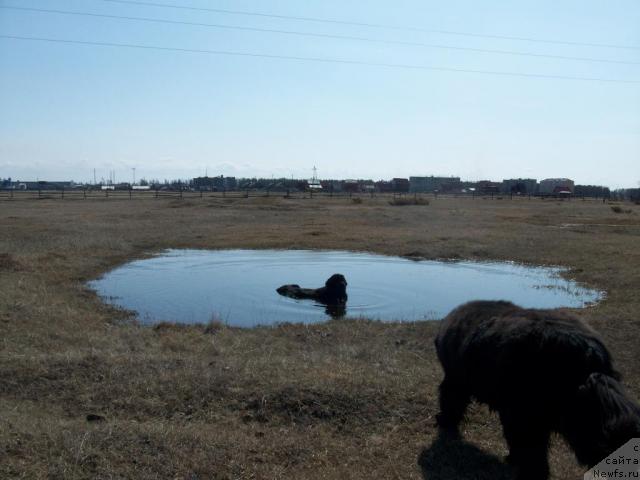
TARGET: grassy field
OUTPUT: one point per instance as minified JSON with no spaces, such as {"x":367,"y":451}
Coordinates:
{"x":345,"y":399}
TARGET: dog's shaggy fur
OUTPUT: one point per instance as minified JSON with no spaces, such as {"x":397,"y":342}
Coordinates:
{"x":334,"y":291}
{"x":543,"y":371}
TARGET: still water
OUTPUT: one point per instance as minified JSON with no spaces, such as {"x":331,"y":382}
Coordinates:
{"x":238,"y":287}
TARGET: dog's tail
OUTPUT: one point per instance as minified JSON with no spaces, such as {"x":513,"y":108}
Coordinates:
{"x":604,"y":419}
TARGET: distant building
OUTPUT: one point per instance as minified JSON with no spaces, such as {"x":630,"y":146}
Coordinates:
{"x":351,"y":186}
{"x":487,"y":186}
{"x":592,"y":191}
{"x":368,"y":186}
{"x":433,"y":184}
{"x":551,"y":186}
{"x":214,"y":183}
{"x":47,"y":185}
{"x":44,"y":185}
{"x":451,"y":184}
{"x":400,"y":185}
{"x":230,"y":183}
{"x":523,"y":186}
{"x":332,"y":185}
{"x":384,"y":186}
{"x":316,"y":185}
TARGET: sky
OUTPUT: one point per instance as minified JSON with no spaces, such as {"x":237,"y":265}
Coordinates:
{"x":67,"y":108}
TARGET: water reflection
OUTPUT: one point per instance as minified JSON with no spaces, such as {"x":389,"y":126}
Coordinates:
{"x":336,"y":310}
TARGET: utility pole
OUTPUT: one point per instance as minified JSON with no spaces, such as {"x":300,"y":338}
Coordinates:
{"x":94,"y":176}
{"x":134,"y":175}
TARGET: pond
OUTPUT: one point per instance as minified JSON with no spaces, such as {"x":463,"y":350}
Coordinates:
{"x":238,"y":287}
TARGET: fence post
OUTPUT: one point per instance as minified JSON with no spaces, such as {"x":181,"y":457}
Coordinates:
{"x":180,"y":192}
{"x":156,"y":192}
{"x":130,"y":190}
{"x":62,"y":193}
{"x":39,"y":194}
{"x":200,"y":193}
{"x":11,"y":193}
{"x":84,"y":193}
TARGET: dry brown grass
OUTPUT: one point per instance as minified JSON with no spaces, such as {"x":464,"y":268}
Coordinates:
{"x":345,"y":399}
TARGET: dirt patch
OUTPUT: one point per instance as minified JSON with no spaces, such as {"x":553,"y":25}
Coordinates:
{"x":304,"y":406}
{"x":9,"y":263}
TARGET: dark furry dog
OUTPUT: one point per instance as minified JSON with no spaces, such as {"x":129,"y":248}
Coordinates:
{"x":334,"y":291}
{"x":543,"y":371}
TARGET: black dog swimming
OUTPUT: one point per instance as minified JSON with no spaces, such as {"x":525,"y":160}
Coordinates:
{"x":543,"y":371}
{"x":333,"y":294}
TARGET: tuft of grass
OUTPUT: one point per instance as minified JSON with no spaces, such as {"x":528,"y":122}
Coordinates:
{"x":618,"y":209}
{"x":356,"y":201}
{"x":9,"y":263}
{"x":214,"y":326}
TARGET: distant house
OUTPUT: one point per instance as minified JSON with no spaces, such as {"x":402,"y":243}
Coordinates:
{"x":314,"y":185}
{"x":487,"y":187}
{"x":522,"y":186}
{"x":351,"y":186}
{"x":332,"y":185}
{"x":551,"y":186}
{"x":400,"y":185}
{"x":384,"y":186}
{"x":434,"y":184}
